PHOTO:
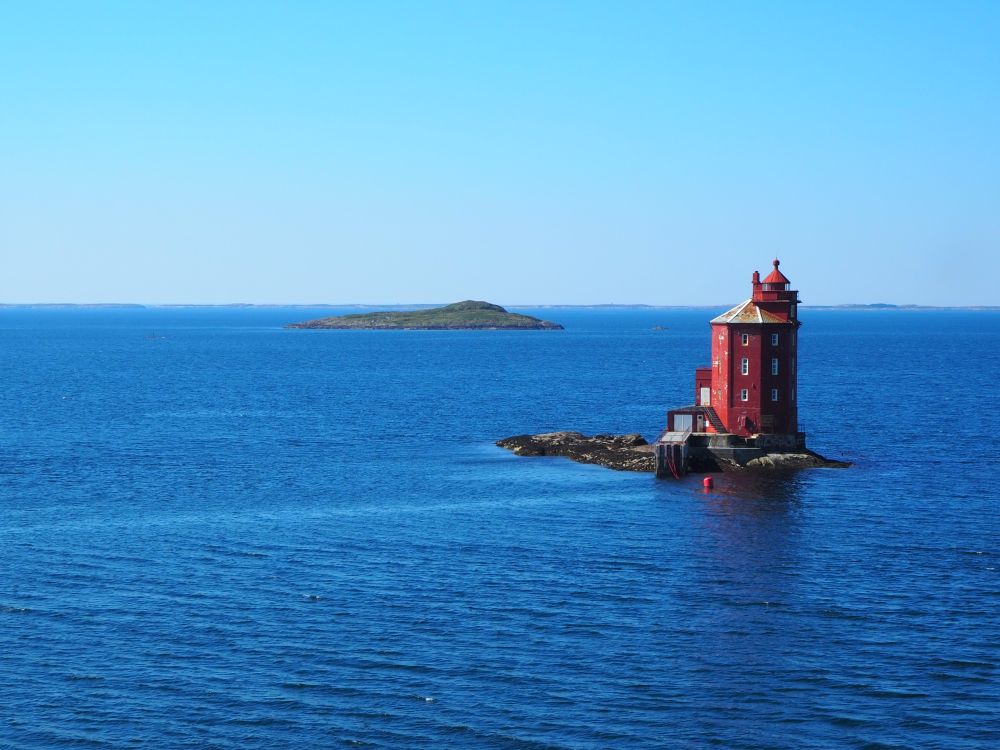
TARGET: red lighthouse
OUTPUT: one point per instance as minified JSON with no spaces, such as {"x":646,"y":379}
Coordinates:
{"x":753,"y":369}
{"x":745,"y":402}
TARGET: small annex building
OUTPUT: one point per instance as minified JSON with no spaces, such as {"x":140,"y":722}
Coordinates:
{"x":745,"y":401}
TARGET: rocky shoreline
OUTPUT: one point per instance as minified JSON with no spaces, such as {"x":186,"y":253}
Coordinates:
{"x":620,"y":452}
{"x":633,"y":453}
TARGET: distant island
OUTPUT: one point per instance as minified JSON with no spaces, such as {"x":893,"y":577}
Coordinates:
{"x":467,"y":315}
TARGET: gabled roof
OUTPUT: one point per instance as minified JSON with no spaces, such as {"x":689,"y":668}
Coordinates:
{"x":748,"y":312}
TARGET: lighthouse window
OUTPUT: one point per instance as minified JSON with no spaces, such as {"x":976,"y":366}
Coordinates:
{"x":774,"y":394}
{"x":745,"y":366}
{"x":744,"y":395}
{"x":745,"y":339}
{"x":774,"y":366}
{"x":774,"y":339}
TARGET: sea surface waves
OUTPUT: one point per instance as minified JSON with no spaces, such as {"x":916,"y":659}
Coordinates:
{"x":217,"y":533}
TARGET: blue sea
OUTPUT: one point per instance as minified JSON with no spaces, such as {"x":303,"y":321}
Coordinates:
{"x":217,"y":533}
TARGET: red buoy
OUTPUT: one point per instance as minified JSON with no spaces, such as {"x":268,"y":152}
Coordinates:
{"x":707,"y":483}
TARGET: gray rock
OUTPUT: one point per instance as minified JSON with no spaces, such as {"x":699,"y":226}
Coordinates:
{"x":619,"y":452}
{"x":632,"y":453}
{"x":804,"y":460}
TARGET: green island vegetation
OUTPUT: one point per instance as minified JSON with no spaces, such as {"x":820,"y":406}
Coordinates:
{"x":467,"y":315}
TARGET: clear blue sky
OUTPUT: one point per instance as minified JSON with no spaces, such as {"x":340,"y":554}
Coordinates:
{"x":537,"y":152}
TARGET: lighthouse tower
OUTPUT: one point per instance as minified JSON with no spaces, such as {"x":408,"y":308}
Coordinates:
{"x":754,"y":348}
{"x":745,"y":405}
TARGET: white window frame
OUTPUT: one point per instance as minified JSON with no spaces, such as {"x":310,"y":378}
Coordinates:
{"x":745,"y":394}
{"x":774,"y":394}
{"x":745,"y":339}
{"x":774,"y":339}
{"x":745,"y":366}
{"x":774,"y":365}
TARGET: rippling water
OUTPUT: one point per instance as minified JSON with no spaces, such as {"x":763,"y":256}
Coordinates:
{"x":220,"y":534}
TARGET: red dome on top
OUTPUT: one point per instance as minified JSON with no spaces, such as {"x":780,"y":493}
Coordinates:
{"x":776,"y":276}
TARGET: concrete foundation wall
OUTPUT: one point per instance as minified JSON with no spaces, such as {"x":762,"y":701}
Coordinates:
{"x":706,"y":452}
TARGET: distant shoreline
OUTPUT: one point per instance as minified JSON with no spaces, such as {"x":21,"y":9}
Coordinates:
{"x":875,"y":307}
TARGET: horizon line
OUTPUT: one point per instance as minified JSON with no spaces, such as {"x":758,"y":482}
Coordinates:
{"x":874,"y":306}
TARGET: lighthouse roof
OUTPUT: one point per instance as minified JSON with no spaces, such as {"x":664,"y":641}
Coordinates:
{"x":776,"y":276}
{"x":748,"y":312}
